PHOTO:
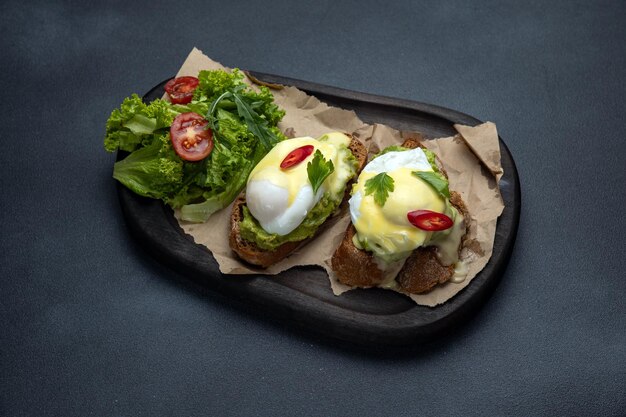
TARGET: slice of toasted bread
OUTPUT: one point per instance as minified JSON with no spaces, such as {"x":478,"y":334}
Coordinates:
{"x":421,"y":271}
{"x":249,"y":251}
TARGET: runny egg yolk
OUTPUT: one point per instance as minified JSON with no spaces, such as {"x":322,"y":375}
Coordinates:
{"x":281,"y":198}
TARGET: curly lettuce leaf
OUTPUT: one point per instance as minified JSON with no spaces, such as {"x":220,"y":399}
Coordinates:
{"x":134,"y":123}
{"x":200,"y":212}
{"x":212,"y":83}
{"x":151,"y":171}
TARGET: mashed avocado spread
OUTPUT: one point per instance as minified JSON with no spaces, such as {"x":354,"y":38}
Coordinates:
{"x":253,"y":232}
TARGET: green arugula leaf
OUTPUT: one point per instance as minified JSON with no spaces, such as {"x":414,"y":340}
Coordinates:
{"x":256,"y":123}
{"x":212,"y":118}
{"x":380,"y":185}
{"x":435,"y":180}
{"x":318,"y":170}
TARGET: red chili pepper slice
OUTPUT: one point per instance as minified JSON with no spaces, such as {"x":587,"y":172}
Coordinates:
{"x":296,"y":156}
{"x":431,"y":221}
{"x":180,"y":90}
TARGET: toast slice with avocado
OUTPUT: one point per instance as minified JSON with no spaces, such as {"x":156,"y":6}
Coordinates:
{"x":421,"y":271}
{"x":251,"y":251}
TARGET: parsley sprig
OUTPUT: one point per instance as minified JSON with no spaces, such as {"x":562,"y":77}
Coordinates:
{"x":318,"y":170}
{"x":380,"y":185}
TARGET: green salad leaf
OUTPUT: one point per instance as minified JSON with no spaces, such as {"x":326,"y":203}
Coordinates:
{"x":244,"y":124}
{"x":136,"y":123}
{"x":152,"y":171}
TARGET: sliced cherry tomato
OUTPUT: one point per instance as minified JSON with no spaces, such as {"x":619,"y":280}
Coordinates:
{"x":430,"y":221}
{"x":180,"y":90}
{"x":296,"y":156}
{"x":191,"y":137}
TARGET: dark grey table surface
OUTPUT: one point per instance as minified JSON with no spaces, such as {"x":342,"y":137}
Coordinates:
{"x":92,"y":325}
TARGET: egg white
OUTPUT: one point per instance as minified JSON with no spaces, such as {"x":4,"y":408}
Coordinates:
{"x":269,"y":204}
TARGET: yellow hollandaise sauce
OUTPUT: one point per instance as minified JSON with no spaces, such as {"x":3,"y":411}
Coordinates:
{"x":385,"y":230}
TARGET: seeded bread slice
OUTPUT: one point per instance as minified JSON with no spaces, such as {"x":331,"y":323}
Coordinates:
{"x":421,"y":271}
{"x":249,"y":251}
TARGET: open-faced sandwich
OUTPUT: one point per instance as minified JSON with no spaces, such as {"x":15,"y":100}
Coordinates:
{"x":407,"y":227}
{"x":291,"y":193}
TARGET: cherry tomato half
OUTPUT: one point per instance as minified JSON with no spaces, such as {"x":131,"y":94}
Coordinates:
{"x":296,"y":156}
{"x":191,"y":137}
{"x":180,"y":90}
{"x":431,"y":221}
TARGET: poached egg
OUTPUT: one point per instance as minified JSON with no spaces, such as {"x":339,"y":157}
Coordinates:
{"x":280,"y":199}
{"x":386,"y":231}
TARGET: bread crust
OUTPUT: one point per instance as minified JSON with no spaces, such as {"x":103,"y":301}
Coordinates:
{"x":249,"y":251}
{"x":421,"y":271}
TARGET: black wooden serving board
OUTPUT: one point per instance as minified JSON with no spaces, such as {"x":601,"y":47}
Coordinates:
{"x":302,"y":296}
